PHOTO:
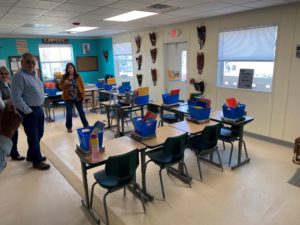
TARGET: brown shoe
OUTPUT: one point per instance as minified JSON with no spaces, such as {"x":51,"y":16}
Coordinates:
{"x":41,"y":166}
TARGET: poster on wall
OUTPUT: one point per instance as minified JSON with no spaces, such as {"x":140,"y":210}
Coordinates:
{"x":86,"y":48}
{"x":21,"y":46}
{"x":173,"y":75}
{"x":246,"y":78}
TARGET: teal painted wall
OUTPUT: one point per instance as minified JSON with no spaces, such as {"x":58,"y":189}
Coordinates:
{"x":105,"y":67}
{"x":8,"y":48}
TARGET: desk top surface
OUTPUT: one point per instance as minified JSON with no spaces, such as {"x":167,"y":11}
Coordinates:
{"x":116,"y":146}
{"x":191,"y":127}
{"x":162,"y":133}
{"x":217,"y":116}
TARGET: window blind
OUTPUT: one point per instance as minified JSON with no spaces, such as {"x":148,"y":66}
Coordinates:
{"x":122,"y":48}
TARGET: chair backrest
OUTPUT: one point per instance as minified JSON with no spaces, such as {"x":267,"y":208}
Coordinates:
{"x":210,"y":135}
{"x":122,"y":167}
{"x":176,"y":145}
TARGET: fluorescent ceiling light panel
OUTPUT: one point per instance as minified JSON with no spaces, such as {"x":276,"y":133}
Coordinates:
{"x":133,"y":15}
{"x":81,"y":29}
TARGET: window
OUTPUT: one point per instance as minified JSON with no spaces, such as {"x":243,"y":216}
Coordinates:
{"x":123,"y":59}
{"x":252,"y":48}
{"x":54,"y":59}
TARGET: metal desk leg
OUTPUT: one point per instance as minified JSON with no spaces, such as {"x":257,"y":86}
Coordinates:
{"x":93,"y":102}
{"x":240,"y":162}
{"x":118,"y":121}
{"x":161,"y":116}
{"x":108,"y":117}
{"x":85,"y":202}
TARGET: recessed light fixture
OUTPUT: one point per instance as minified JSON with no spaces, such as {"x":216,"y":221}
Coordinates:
{"x":81,"y":29}
{"x":133,"y":15}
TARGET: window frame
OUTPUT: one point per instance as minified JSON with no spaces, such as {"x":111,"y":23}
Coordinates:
{"x":117,"y":60}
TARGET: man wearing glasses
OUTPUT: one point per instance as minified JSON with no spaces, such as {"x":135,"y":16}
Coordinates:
{"x":28,"y":96}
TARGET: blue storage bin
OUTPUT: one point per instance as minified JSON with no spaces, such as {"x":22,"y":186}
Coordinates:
{"x":170,"y":99}
{"x":144,"y":129}
{"x":191,"y":103}
{"x":122,"y":89}
{"x":199,"y":114}
{"x":108,"y":87}
{"x":100,"y":84}
{"x":84,"y":138}
{"x":141,"y":100}
{"x":126,"y":83}
{"x":51,"y":91}
{"x":234,"y":113}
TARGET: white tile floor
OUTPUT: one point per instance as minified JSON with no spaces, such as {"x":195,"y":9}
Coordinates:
{"x":255,"y":194}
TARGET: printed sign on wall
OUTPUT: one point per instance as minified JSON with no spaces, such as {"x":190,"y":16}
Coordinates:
{"x":246,"y":78}
{"x":21,"y":46}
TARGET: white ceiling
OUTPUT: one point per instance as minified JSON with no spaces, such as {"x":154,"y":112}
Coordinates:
{"x":53,"y":17}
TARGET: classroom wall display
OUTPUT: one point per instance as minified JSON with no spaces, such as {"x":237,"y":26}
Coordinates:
{"x":139,"y":61}
{"x":105,"y":55}
{"x":173,"y":75}
{"x":86,"y":48}
{"x":152,"y":37}
{"x":154,"y":76}
{"x":245,"y":78}
{"x":200,"y":62}
{"x":55,"y":41}
{"x":87,"y":63}
{"x":21,"y":46}
{"x":15,"y":64}
{"x":201,"y":31}
{"x":153,"y":53}
{"x":138,"y":43}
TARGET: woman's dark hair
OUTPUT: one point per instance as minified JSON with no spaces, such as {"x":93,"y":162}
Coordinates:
{"x":75,"y":71}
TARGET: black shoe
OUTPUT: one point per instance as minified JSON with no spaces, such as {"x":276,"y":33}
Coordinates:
{"x":41,"y":166}
{"x":69,"y":130}
{"x":18,"y":158}
{"x":29,"y":159}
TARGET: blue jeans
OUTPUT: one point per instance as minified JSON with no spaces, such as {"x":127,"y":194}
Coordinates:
{"x":69,"y":109}
{"x":34,"y":128}
{"x":14,"y":150}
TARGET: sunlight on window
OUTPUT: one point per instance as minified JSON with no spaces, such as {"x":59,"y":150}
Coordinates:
{"x":183,"y":65}
{"x":123,"y":59}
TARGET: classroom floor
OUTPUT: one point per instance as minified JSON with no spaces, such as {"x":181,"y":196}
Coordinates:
{"x":255,"y":194}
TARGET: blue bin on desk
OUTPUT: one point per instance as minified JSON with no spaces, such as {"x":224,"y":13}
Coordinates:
{"x":122,"y":89}
{"x":51,"y":91}
{"x":170,"y":99}
{"x":146,"y":128}
{"x":108,"y":87}
{"x":84,"y":138}
{"x":141,"y":100}
{"x":199,"y":113}
{"x":234,"y":113}
{"x":100,"y":84}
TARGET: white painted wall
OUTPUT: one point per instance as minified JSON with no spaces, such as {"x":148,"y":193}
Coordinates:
{"x":276,"y":113}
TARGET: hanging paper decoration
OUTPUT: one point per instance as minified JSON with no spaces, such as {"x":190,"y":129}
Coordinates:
{"x":138,"y":43}
{"x":105,"y":54}
{"x":199,"y":86}
{"x":200,"y":62}
{"x":139,"y":60}
{"x":201,"y":36}
{"x":153,"y":53}
{"x":139,"y":79}
{"x":152,"y":37}
{"x":154,"y":76}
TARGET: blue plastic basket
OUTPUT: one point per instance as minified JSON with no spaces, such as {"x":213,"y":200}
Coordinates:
{"x":84,"y":138}
{"x":199,"y":113}
{"x":170,"y":99}
{"x":191,"y":103}
{"x":100,"y":84}
{"x":108,"y":87}
{"x":144,"y":129}
{"x":126,"y":83}
{"x":234,"y":113}
{"x":51,"y":91}
{"x":122,"y":89}
{"x":141,"y":100}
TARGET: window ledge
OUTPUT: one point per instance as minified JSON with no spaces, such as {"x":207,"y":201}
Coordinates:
{"x":245,"y":90}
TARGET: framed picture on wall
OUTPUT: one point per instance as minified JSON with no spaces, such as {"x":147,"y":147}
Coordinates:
{"x":86,"y":48}
{"x":15,"y":64}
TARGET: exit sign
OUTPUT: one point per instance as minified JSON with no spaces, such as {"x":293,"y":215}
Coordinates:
{"x":174,"y":33}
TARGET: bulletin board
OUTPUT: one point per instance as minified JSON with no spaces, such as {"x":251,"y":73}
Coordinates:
{"x":87,"y":63}
{"x":15,"y":64}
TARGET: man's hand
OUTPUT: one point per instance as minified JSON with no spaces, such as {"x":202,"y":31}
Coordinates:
{"x":10,"y":120}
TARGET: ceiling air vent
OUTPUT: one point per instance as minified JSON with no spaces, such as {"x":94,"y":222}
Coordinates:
{"x":161,"y":8}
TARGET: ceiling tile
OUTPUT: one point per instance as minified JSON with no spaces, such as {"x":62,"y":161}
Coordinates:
{"x":37,"y":4}
{"x":129,"y":5}
{"x":107,"y":12}
{"x":93,"y":2}
{"x":184,"y":3}
{"x":238,"y":2}
{"x":264,"y":3}
{"x":27,"y":11}
{"x":63,"y":14}
{"x":51,"y":19}
{"x":12,"y":16}
{"x":3,"y":9}
{"x":7,"y":3}
{"x":209,"y":6}
{"x":75,"y":8}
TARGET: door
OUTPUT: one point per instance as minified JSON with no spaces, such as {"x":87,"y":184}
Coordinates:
{"x":176,"y":68}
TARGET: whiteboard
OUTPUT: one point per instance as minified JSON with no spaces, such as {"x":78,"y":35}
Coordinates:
{"x":3,"y":62}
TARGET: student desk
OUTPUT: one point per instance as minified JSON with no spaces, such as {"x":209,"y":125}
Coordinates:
{"x":92,"y":90}
{"x":113,"y":147}
{"x":162,"y":133}
{"x":190,"y":127}
{"x":181,"y":109}
{"x":120,"y":114}
{"x":48,"y":104}
{"x":217,"y":116}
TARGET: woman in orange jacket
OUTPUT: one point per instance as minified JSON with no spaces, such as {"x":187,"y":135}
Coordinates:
{"x":72,"y":87}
